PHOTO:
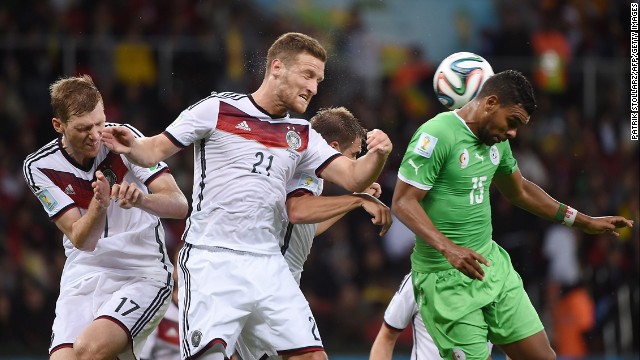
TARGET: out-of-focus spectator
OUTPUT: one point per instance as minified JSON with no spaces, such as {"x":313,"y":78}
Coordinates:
{"x":135,"y":63}
{"x":553,"y":54}
{"x":573,"y":317}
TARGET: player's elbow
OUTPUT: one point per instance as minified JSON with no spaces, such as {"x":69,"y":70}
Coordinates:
{"x":86,"y":245}
{"x":398,"y":206}
{"x":296,"y":215}
{"x":182,"y":207}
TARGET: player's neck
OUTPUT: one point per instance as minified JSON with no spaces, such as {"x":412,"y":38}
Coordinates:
{"x":75,"y":155}
{"x":468,"y":113}
{"x":264,"y":97}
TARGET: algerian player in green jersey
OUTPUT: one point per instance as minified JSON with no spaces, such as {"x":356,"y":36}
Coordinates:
{"x":464,"y":283}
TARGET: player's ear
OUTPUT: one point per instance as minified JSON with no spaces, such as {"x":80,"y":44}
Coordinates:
{"x":276,"y":67}
{"x":334,"y":144}
{"x":491,"y":103}
{"x":57,"y":125}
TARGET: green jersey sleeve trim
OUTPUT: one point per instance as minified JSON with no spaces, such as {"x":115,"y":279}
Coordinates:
{"x":414,"y":183}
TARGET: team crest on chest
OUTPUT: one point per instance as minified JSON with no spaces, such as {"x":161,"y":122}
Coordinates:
{"x":111,"y":176}
{"x":463,"y":159}
{"x":293,"y":140}
{"x":494,"y":155}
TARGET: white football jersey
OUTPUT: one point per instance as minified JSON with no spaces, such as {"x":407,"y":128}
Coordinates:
{"x":243,"y":159}
{"x":297,"y":241}
{"x":403,"y":310}
{"x":132,"y":240}
{"x":164,"y":342}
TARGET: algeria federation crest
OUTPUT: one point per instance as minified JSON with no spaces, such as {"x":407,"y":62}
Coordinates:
{"x":494,"y":155}
{"x":463,"y":159}
{"x":293,"y":140}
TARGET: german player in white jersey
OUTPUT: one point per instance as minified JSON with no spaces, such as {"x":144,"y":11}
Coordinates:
{"x":164,"y":342}
{"x":116,"y":282}
{"x":247,"y":147}
{"x":310,"y":217}
{"x":343,"y":132}
{"x":402,"y":311}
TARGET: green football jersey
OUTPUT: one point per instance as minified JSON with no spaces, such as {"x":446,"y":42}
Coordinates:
{"x":447,"y":159}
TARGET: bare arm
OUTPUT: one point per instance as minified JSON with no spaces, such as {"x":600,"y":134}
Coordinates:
{"x":357,"y":175}
{"x":166,"y":200}
{"x":309,"y":209}
{"x":144,"y":151}
{"x":406,"y":206}
{"x":382,"y":348}
{"x":84,"y":230}
{"x":374,"y":190}
{"x":530,"y":197}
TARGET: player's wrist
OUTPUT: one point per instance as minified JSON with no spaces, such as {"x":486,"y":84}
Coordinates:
{"x":566,"y":215}
{"x":102,"y":207}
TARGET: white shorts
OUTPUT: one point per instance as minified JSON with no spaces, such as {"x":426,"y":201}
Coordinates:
{"x":224,"y":292}
{"x":135,"y":304}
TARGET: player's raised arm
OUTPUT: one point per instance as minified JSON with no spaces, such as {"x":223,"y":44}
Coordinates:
{"x":329,"y":209}
{"x":357,"y":175}
{"x":530,"y":197}
{"x":142,"y":151}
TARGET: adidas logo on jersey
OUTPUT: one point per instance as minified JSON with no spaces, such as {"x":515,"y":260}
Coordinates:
{"x":243,"y":126}
{"x":69,"y":190}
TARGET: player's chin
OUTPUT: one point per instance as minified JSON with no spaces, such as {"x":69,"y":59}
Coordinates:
{"x":300,"y":106}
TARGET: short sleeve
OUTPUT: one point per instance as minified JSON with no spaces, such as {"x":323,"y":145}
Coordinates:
{"x":317,"y":156}
{"x":426,"y":154}
{"x":402,"y":307}
{"x":53,"y":199}
{"x":508,"y":164}
{"x":196,"y":122}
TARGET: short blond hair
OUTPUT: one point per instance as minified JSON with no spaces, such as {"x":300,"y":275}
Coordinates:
{"x":292,"y":44}
{"x":73,"y":96}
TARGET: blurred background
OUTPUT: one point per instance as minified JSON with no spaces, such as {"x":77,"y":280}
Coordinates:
{"x":153,"y":58}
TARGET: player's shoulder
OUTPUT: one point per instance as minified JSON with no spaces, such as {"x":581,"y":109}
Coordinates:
{"x":216,"y":97}
{"x":440,"y":128}
{"x":133,"y":129}
{"x":444,"y":122}
{"x":43,"y":153}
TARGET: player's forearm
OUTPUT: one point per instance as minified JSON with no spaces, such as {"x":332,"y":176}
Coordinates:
{"x":413,"y":216}
{"x":366,"y":170}
{"x":536,"y":201}
{"x":171,"y":204}
{"x":382,"y":348}
{"x":87,"y":230}
{"x":323,"y":226}
{"x":145,"y":152}
{"x":316,"y":209}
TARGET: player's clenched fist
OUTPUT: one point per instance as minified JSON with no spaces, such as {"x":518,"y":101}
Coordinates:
{"x":378,"y":141}
{"x":126,"y":195}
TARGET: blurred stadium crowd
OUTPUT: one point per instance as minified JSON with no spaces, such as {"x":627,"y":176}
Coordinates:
{"x":152,"y":58}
